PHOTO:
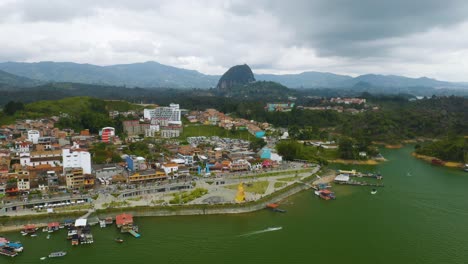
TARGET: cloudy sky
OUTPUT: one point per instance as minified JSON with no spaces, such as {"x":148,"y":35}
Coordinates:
{"x":412,"y":38}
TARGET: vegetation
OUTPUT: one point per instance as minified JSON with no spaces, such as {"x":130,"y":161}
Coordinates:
{"x":293,"y":150}
{"x":208,"y":131}
{"x":449,"y":149}
{"x":258,"y":187}
{"x":279,"y":184}
{"x":12,"y":107}
{"x":186,"y":197}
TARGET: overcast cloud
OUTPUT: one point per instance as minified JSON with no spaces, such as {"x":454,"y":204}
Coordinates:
{"x":412,"y":38}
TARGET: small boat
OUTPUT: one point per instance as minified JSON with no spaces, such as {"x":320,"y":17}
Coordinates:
{"x":274,"y":228}
{"x":102,"y":223}
{"x":317,"y":193}
{"x":57,"y":254}
{"x":109,"y":221}
{"x":45,"y":229}
{"x":279,"y":210}
{"x":48,"y":237}
{"x":43,"y":258}
{"x":34,"y":235}
{"x":374,"y":191}
{"x":119,"y":240}
{"x":24,"y":233}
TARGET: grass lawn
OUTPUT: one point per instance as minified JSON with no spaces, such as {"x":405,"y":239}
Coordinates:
{"x":208,"y":131}
{"x":279,"y":184}
{"x":253,"y":187}
{"x":292,"y":178}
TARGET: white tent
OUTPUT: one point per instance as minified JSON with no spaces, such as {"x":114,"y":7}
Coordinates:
{"x":80,"y":222}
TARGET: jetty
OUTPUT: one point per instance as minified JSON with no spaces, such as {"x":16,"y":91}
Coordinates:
{"x":125,"y":223}
{"x":357,"y":183}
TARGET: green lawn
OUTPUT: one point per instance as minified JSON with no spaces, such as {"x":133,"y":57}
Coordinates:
{"x":253,"y":187}
{"x":293,"y":178}
{"x":279,"y":184}
{"x":207,"y":131}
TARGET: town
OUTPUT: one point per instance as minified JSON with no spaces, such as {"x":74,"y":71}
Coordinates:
{"x":44,"y":169}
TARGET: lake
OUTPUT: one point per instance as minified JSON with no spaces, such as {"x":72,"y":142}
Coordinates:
{"x":420,"y":216}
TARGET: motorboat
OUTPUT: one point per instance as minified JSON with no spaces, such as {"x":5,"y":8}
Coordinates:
{"x":274,"y":228}
{"x":57,"y":254}
{"x":119,"y":240}
{"x":374,"y":191}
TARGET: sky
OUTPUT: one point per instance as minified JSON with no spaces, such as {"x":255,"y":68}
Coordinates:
{"x":412,"y":38}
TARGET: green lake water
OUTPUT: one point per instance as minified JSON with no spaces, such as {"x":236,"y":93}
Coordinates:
{"x":420,"y":216}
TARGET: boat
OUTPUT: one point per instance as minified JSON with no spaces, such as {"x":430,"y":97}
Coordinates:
{"x":102,"y":223}
{"x":374,"y":191}
{"x":43,"y":258}
{"x":33,"y":235}
{"x":279,"y":210}
{"x":272,"y":205}
{"x":23,"y":233}
{"x":317,"y":193}
{"x":327,"y":195}
{"x":109,"y":221}
{"x":465,"y":168}
{"x":274,"y":228}
{"x":57,"y":254}
{"x":119,"y":240}
{"x":48,"y":237}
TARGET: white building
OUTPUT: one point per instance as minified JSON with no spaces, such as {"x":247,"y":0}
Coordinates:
{"x":163,"y":114}
{"x":35,"y":158}
{"x":75,"y":157}
{"x":33,"y":136}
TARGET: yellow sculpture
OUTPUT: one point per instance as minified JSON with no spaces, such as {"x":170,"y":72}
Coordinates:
{"x":240,"y":196}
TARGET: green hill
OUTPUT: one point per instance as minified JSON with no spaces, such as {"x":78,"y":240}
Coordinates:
{"x":8,"y":80}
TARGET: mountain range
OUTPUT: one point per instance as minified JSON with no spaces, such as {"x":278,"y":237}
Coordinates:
{"x":155,"y":75}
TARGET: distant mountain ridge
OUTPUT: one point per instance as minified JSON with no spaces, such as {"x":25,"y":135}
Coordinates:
{"x":146,"y":74}
{"x":11,"y":80}
{"x":155,"y":75}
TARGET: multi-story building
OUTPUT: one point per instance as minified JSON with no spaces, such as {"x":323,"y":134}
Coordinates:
{"x":147,"y":175}
{"x":35,"y":158}
{"x":171,"y":131}
{"x":107,"y":133}
{"x":74,"y":178}
{"x":75,"y":157}
{"x":23,"y":181}
{"x":135,"y":127}
{"x":163,"y":115}
{"x":33,"y":136}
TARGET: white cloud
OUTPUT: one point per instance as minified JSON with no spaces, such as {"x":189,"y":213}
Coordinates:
{"x":421,"y":38}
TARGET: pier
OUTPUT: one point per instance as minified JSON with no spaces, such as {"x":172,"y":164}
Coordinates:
{"x":356,"y":183}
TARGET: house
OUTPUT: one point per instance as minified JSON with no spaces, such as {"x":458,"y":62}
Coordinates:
{"x":74,"y":178}
{"x":147,"y":175}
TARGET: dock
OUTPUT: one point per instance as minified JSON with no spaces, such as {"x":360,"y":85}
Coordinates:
{"x":356,"y":183}
{"x":133,"y":233}
{"x":8,"y":253}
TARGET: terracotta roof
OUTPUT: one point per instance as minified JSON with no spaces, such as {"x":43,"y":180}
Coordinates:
{"x":124,"y":219}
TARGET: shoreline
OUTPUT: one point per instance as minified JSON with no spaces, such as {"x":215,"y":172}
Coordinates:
{"x":448,"y":164}
{"x":194,"y":209}
{"x":356,"y":162}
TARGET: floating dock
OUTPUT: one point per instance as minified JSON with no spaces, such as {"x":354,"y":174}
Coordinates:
{"x":133,"y":233}
{"x":356,"y":183}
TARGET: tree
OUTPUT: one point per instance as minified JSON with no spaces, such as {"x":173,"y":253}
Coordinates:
{"x":12,"y":107}
{"x":346,"y":148}
{"x":256,"y":144}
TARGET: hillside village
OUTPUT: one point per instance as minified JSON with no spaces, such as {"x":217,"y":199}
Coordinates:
{"x":44,"y":167}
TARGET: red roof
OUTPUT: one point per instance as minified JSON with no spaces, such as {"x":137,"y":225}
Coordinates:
{"x":124,"y":219}
{"x":53,"y":224}
{"x":326,"y":191}
{"x":30,"y":227}
{"x":272,"y":205}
